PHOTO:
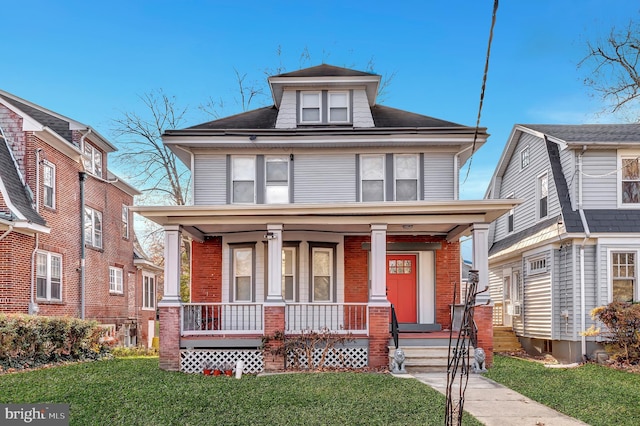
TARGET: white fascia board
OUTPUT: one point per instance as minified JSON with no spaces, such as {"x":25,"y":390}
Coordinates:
{"x":59,"y":143}
{"x":371,"y":83}
{"x":101,"y":141}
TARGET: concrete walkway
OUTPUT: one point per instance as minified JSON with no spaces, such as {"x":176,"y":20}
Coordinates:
{"x":496,"y":405}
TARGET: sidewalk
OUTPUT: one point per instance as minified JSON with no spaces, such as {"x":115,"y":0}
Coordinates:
{"x":496,"y":405}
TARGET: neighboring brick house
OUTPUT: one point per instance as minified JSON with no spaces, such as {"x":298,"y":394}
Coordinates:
{"x":321,"y":210}
{"x":55,"y":184}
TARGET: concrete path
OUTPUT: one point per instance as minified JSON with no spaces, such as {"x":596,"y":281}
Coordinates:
{"x":496,"y":405}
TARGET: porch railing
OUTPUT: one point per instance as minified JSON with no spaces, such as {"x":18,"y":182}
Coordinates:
{"x":221,"y":318}
{"x":337,"y":317}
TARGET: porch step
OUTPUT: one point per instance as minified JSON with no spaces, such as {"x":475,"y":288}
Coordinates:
{"x":505,"y":340}
{"x":417,"y":328}
{"x":424,"y":359}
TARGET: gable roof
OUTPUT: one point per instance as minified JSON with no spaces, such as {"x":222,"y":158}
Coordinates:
{"x":325,"y":70}
{"x":588,"y":134}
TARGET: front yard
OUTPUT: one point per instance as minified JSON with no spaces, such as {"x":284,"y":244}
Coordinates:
{"x":136,"y":392}
{"x":597,"y":395}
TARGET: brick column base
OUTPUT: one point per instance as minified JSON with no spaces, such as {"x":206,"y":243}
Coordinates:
{"x":483,"y":316}
{"x":273,"y":322}
{"x":379,"y":336}
{"x":170,"y":338}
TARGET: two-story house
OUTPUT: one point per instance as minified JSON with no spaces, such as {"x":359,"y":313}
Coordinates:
{"x":66,"y":229}
{"x":573,"y":243}
{"x":322,"y":210}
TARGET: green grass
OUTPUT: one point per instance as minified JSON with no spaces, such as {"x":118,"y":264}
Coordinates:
{"x":592,"y":393}
{"x":128,"y":391}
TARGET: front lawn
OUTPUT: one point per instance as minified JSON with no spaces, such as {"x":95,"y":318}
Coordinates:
{"x":592,"y":393}
{"x":136,"y":392}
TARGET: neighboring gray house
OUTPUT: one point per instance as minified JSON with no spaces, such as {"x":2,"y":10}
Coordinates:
{"x":574,"y":242}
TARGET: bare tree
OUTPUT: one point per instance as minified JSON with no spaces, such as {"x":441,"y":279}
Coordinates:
{"x":613,"y":64}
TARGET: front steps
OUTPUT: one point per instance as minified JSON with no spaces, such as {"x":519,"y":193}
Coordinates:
{"x":425,"y":359}
{"x":505,"y":340}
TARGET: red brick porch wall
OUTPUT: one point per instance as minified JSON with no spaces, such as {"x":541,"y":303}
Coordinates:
{"x":206,"y":270}
{"x":483,"y":316}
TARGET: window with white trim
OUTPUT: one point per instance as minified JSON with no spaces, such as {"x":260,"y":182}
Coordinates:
{"x":624,"y":276}
{"x":289,"y":274}
{"x":93,"y":227}
{"x":543,"y":195}
{"x":629,"y":181}
{"x":243,"y":176}
{"x":524,"y":157}
{"x":322,"y":274}
{"x":310,"y":107}
{"x":516,"y":285}
{"x":510,"y":224}
{"x":372,"y":177}
{"x":276,"y":179}
{"x":125,"y":221}
{"x":243,"y":274}
{"x":92,"y":158}
{"x":48,"y":276}
{"x":338,"y":107}
{"x":49,"y":184}
{"x":537,"y":265}
{"x":407,"y":174}
{"x":148,"y":291}
{"x":115,"y":280}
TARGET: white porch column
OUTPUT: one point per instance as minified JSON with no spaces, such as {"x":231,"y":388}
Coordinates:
{"x":378,"y":294}
{"x":172,"y":266}
{"x":480,"y":234}
{"x":274,"y":242}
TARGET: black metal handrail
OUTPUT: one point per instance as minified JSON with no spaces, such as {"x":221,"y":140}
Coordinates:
{"x":394,"y":326}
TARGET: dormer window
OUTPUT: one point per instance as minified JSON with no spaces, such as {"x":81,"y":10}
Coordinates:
{"x":325,"y":107}
{"x":92,"y":160}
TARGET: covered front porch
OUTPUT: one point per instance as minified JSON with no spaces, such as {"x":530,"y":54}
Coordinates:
{"x":260,"y":270}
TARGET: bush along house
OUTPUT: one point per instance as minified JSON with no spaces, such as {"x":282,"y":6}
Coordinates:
{"x":67,"y":246}
{"x":322,"y":210}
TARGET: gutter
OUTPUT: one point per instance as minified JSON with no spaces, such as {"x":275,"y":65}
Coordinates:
{"x":587,"y":235}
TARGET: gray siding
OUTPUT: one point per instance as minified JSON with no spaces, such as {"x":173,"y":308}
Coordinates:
{"x":438,"y":176}
{"x":599,"y":187}
{"x":564,"y":296}
{"x":537,"y":299}
{"x":324,"y":178}
{"x":523,"y":184}
{"x":209,"y":179}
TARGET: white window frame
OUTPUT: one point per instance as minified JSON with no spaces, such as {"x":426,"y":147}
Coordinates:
{"x":318,"y":93}
{"x":93,"y":161}
{"x":539,"y":195}
{"x":93,"y":235}
{"x":511,"y":216}
{"x":537,"y":265}
{"x":268,"y":184}
{"x":116,"y":280}
{"x":622,"y":155}
{"x":362,"y":179}
{"x":328,"y":250}
{"x":293,"y":254}
{"x":610,"y":278}
{"x":330,"y":106}
{"x":525,"y":157}
{"x":125,"y":221}
{"x":48,"y":274}
{"x":233,"y":178}
{"x":396,"y":157}
{"x":516,"y":287}
{"x":148,"y":291}
{"x":49,"y":184}
{"x":234,"y":283}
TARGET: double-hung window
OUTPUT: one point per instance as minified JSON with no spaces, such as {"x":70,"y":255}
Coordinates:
{"x":322,"y":274}
{"x":289,"y":274}
{"x":510,"y":216}
{"x":630,"y":181}
{"x":125,"y":221}
{"x":624,"y":276}
{"x":49,"y":183}
{"x":276,"y":179}
{"x":406,"y":177}
{"x":148,"y":291}
{"x":243,"y":175}
{"x":243,"y":274}
{"x":93,"y":227}
{"x":310,"y":107}
{"x":338,"y":107}
{"x":372,"y":170}
{"x":115,"y":280}
{"x":92,"y":159}
{"x":543,"y":195}
{"x":48,"y":276}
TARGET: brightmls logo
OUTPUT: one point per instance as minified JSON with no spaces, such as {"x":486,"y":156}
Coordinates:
{"x":35,"y":414}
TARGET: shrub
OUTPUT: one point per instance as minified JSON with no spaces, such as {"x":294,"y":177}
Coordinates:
{"x":622,"y":332}
{"x":29,"y":341}
{"x":125,"y":352}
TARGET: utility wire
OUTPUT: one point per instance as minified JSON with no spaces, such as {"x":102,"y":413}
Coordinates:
{"x":484,"y":83}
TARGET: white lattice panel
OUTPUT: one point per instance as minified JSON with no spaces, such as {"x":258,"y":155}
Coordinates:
{"x":193,"y":361}
{"x":336,"y":357}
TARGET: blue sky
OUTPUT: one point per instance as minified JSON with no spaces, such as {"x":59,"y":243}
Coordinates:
{"x":91,"y":60}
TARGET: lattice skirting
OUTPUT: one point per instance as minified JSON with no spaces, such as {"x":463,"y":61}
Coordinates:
{"x":357,"y":357}
{"x":192,"y":361}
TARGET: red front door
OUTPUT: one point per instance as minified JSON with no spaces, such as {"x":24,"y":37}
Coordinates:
{"x":401,"y":286}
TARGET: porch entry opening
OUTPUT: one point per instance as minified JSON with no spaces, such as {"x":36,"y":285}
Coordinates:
{"x":402,"y":287}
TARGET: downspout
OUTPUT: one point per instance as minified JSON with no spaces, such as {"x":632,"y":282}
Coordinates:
{"x":33,"y":306}
{"x":587,"y":234}
{"x":456,"y":171}
{"x":82,"y":176}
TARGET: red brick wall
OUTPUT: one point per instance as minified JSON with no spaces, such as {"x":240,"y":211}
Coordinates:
{"x":15,"y":272}
{"x":170,"y":338}
{"x":273,"y":322}
{"x":356,"y":269}
{"x":378,"y":336}
{"x":483,"y":316}
{"x":206,"y":270}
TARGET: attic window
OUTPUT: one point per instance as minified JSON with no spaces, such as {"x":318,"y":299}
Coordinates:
{"x":92,"y":159}
{"x":324,"y":107}
{"x":310,"y":107}
{"x":524,"y":157}
{"x":338,"y":107}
